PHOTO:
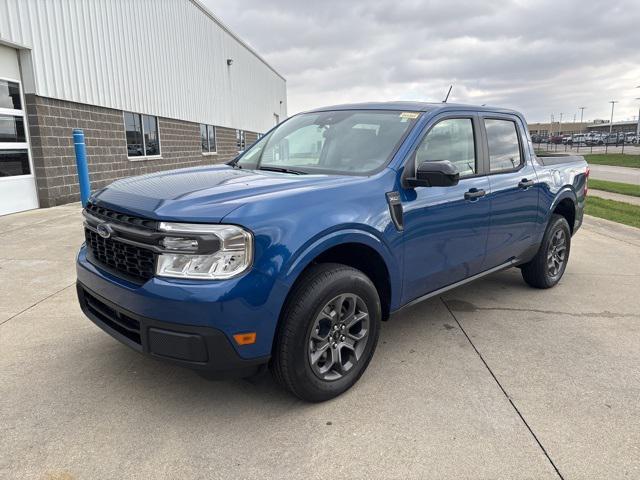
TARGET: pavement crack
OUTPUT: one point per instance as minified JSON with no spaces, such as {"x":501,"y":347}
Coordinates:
{"x":504,"y":392}
{"x":623,"y":240}
{"x":37,"y":222}
{"x":462,"y":306}
{"x":35,"y":304}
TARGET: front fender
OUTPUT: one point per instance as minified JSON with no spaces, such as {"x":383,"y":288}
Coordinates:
{"x":323,"y":242}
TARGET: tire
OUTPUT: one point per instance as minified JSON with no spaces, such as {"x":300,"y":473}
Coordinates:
{"x":546,"y":269}
{"x":313,"y":359}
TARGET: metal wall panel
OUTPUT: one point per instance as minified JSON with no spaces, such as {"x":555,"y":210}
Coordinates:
{"x":161,"y":57}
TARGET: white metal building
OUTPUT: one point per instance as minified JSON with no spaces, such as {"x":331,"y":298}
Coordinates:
{"x":155,"y":84}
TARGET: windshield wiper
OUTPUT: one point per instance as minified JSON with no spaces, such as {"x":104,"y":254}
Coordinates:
{"x":281,"y":170}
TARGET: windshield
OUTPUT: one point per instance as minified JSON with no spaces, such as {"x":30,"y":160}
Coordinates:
{"x":338,"y":142}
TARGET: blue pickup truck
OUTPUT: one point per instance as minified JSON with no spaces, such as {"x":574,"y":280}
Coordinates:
{"x":291,"y":255}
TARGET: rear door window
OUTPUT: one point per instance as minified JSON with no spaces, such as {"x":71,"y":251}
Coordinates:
{"x":504,"y":146}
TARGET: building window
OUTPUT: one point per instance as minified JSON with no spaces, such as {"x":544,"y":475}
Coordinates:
{"x":208,"y":138}
{"x":142,"y":135}
{"x":240,"y":141}
{"x":14,"y":154}
{"x":14,"y":163}
{"x":10,"y":95}
{"x":150,"y":132}
{"x":12,"y":129}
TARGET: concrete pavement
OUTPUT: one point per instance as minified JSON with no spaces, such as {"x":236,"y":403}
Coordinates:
{"x":615,"y":174}
{"x":614,"y":196}
{"x":494,"y":380}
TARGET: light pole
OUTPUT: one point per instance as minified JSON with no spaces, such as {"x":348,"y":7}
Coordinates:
{"x":613,"y":104}
{"x":638,"y":126}
{"x":582,"y":129}
{"x":560,"y":124}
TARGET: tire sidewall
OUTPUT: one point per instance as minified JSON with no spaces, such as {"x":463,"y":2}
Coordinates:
{"x":348,"y":281}
{"x":557,"y":223}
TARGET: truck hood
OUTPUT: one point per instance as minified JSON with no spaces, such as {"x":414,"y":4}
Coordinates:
{"x":202,"y":194}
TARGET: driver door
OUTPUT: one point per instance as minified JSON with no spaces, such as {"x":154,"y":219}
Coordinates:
{"x":446,"y":228}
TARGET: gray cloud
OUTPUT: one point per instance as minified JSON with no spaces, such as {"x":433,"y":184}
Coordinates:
{"x":538,"y":57}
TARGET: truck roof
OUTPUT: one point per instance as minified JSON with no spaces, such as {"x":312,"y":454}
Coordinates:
{"x":415,"y":107}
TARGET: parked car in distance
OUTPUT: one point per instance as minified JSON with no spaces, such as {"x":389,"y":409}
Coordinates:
{"x":578,"y":139}
{"x":555,"y":139}
{"x":292,"y":254}
{"x":536,"y":138}
{"x":567,"y":139}
{"x":631,"y":138}
{"x":594,"y":139}
{"x":613,"y":139}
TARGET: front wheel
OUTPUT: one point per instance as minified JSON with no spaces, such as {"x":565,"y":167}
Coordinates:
{"x":546,"y":269}
{"x":328,"y":334}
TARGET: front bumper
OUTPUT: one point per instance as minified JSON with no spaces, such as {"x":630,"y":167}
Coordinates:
{"x":204,"y":349}
{"x":201,"y":317}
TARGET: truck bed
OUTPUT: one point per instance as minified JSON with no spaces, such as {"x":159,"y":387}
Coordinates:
{"x":560,"y":159}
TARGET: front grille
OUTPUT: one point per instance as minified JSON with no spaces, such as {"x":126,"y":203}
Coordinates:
{"x":121,"y":323}
{"x":106,"y":214}
{"x":135,"y":262}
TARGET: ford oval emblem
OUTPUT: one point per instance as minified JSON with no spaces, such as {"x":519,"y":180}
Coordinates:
{"x":104,"y":230}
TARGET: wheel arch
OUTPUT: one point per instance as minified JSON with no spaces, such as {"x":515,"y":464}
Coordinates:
{"x":358,"y":249}
{"x":565,"y":205}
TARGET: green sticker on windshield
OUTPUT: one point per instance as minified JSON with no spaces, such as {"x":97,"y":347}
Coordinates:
{"x":409,"y":115}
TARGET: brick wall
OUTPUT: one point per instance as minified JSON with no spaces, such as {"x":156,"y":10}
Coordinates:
{"x":250,"y":138}
{"x":51,"y":123}
{"x":226,"y":142}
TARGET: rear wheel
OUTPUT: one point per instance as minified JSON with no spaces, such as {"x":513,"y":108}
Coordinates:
{"x":546,"y":269}
{"x":328,"y":334}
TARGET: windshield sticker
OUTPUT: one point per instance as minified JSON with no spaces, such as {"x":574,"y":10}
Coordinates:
{"x":409,"y":115}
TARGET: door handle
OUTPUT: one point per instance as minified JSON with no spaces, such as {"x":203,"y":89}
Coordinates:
{"x":474,"y":194}
{"x":524,"y":183}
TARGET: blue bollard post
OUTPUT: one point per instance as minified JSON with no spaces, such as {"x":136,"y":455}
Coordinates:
{"x":81,"y":163}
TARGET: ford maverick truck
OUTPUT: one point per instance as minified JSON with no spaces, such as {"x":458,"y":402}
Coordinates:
{"x":291,"y":255}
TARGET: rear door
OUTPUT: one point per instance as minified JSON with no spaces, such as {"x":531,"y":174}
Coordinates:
{"x":446,"y":228}
{"x":514,"y":188}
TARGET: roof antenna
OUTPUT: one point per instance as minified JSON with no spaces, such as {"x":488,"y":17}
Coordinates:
{"x":447,"y":97}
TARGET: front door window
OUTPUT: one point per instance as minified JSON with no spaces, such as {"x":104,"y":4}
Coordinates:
{"x":451,"y":140}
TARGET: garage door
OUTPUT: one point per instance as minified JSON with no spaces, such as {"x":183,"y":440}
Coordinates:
{"x":17,"y":182}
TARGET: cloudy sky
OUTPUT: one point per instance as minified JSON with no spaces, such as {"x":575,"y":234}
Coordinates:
{"x":539,"y":57}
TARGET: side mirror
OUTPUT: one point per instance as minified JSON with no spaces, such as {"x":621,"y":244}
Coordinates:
{"x":435,"y":174}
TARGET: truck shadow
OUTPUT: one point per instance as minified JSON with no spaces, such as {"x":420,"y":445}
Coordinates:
{"x":171,"y":390}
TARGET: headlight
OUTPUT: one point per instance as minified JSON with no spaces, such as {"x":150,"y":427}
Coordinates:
{"x":211,"y":252}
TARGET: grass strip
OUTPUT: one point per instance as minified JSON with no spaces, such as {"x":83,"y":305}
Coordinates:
{"x":615,"y":187}
{"x":619,"y":212}
{"x":615,"y":159}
